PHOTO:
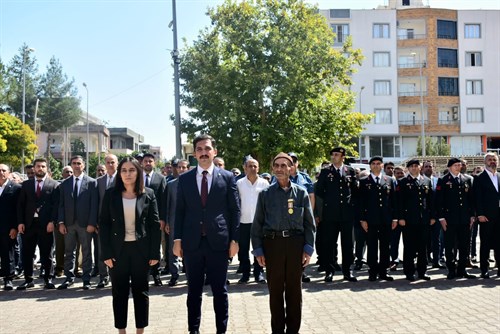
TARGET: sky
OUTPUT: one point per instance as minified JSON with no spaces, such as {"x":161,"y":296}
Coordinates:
{"x":121,"y":50}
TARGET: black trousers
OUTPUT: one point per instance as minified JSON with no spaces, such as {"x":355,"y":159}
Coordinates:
{"x":284,"y":280}
{"x":244,"y":251}
{"x":7,"y":256}
{"x":378,"y":238}
{"x":415,"y":242}
{"x":457,"y":237}
{"x":489,"y":234}
{"x":434,"y":244}
{"x":331,"y":231}
{"x":130,"y":270}
{"x":33,"y":235}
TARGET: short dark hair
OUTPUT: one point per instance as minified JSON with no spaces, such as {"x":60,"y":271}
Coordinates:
{"x":389,"y":163}
{"x":76,"y":157}
{"x":40,"y":160}
{"x":183,"y":160}
{"x":28,"y":166}
{"x":139,"y":182}
{"x":203,"y":137}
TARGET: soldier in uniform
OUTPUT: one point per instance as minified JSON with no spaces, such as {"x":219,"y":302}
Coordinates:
{"x":337,"y":186}
{"x":378,"y":217}
{"x":414,"y":194}
{"x":455,"y":213}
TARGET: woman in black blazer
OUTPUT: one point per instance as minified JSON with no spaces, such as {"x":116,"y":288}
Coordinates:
{"x":129,"y":231}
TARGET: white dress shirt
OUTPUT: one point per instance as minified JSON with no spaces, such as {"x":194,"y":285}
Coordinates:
{"x":199,"y":176}
{"x":249,"y":193}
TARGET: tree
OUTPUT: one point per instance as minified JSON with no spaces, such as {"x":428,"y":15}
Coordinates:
{"x":78,"y":147}
{"x":265,"y":78}
{"x":59,"y":105}
{"x":14,"y":137}
{"x":433,"y":147}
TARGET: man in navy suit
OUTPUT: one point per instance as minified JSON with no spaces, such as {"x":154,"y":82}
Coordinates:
{"x":77,"y":216}
{"x":206,"y":231}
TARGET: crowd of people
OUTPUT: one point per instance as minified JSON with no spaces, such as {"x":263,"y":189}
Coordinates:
{"x":119,"y":225}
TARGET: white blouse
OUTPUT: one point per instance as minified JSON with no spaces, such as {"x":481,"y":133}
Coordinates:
{"x":129,"y":214}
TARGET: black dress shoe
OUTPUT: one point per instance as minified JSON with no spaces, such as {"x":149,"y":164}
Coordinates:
{"x":244,"y":279}
{"x":451,"y":275}
{"x":305,"y":278}
{"x":7,"y":285}
{"x":358,"y":266}
{"x":372,"y":277}
{"x":485,"y":275}
{"x":26,"y":285}
{"x":386,"y":277}
{"x":194,"y":332}
{"x":329,"y":277}
{"x":86,"y":285}
{"x":424,"y":277}
{"x":337,"y":267}
{"x":49,"y":285}
{"x":102,"y":283}
{"x":157,"y":281}
{"x":66,"y":284}
{"x":410,"y":278}
{"x":467,"y":275}
{"x":350,"y":278}
{"x":260,"y":278}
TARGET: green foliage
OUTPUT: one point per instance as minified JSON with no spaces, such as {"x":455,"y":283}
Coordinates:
{"x":434,"y":147}
{"x":14,"y":137}
{"x":78,"y":147}
{"x":55,"y":168}
{"x":265,"y":78}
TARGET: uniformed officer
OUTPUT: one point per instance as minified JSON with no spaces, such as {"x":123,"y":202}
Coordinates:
{"x":378,"y":217}
{"x":337,"y":186}
{"x":414,"y":194}
{"x":456,"y":215}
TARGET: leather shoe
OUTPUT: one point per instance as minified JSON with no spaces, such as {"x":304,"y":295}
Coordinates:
{"x":410,"y":278}
{"x":424,"y":277}
{"x":49,"y":285}
{"x":451,"y":275}
{"x":305,"y":278}
{"x":173,"y":280}
{"x":7,"y":285}
{"x":157,"y":281}
{"x":372,"y":277}
{"x":467,"y":275}
{"x":485,"y":275}
{"x":26,"y":285}
{"x":102,"y":283}
{"x":86,"y":285}
{"x":194,"y":332}
{"x":350,"y":278}
{"x":66,"y":284}
{"x":244,"y":279}
{"x":260,"y":278}
{"x":329,"y":277}
{"x":386,"y":277}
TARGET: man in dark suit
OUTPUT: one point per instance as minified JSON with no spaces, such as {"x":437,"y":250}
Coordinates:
{"x":487,"y":200}
{"x":157,"y":182}
{"x":378,"y":218}
{"x":414,"y":193}
{"x":77,"y":216}
{"x":104,"y":182}
{"x":37,"y":211}
{"x":9,"y":194}
{"x":338,"y":187}
{"x":454,"y":207}
{"x":206,"y":231}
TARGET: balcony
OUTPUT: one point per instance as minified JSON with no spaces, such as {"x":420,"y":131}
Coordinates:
{"x":424,"y":93}
{"x":412,"y":65}
{"x":411,"y":36}
{"x":409,"y":122}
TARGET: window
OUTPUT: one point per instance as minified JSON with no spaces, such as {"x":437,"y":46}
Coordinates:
{"x":381,"y":30}
{"x":385,"y":146}
{"x":406,"y":2}
{"x":340,"y":13}
{"x":382,"y":87}
{"x":473,"y":59}
{"x":408,"y":89}
{"x":474,"y":87}
{"x":381,"y":59}
{"x":448,"y":86}
{"x":382,"y":116}
{"x":341,"y":32}
{"x":472,"y":31}
{"x":447,"y":58}
{"x":475,"y":115}
{"x":446,"y":29}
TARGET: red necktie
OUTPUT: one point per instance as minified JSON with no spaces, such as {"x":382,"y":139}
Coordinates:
{"x":38,"y":189}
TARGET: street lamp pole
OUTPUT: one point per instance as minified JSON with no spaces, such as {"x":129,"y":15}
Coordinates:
{"x":88,"y":133}
{"x":23,"y":70}
{"x":175,"y":57}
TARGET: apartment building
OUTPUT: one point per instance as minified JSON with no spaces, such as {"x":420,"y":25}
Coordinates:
{"x":426,"y":71}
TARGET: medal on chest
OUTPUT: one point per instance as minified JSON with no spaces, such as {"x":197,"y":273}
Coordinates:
{"x":290,"y":206}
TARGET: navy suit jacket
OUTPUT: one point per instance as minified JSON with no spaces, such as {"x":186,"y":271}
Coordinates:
{"x":87,"y":203}
{"x":47,"y":204}
{"x":221,"y":214}
{"x":8,"y":204}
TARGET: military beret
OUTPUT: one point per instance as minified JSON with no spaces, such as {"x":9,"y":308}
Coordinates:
{"x":339,"y":150}
{"x":453,"y":161}
{"x":413,"y":162}
{"x":376,"y":158}
{"x":283,"y":155}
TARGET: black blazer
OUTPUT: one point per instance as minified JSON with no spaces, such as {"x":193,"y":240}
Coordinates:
{"x":486,"y":197}
{"x":414,"y":199}
{"x":47,"y":204}
{"x":158,"y":183}
{"x":87,"y":203}
{"x":112,"y":225}
{"x":454,"y":201}
{"x":8,"y":204}
{"x":377,"y":201}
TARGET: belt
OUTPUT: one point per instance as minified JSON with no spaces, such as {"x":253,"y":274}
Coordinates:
{"x":282,"y":234}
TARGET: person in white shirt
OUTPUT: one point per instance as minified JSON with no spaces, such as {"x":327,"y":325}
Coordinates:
{"x":249,"y":188}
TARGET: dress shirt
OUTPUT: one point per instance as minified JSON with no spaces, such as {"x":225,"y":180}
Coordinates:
{"x":110,"y":179}
{"x":340,"y":169}
{"x":41,"y":183}
{"x":375,"y":178}
{"x":493,"y":178}
{"x":80,"y":177}
{"x":3,"y":187}
{"x":129,"y":215}
{"x":249,"y":194}
{"x":199,"y":176}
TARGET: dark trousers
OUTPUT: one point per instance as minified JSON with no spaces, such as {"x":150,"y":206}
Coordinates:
{"x":434,"y":243}
{"x":33,"y":235}
{"x":214,"y":263}
{"x":102,"y":268}
{"x":395,"y":238}
{"x":331,"y":231}
{"x":7,"y":256}
{"x":360,"y":237}
{"x":414,"y":240}
{"x":457,"y":237}
{"x":130,"y":271}
{"x":378,"y":234}
{"x":284,"y":280}
{"x":489,"y":233}
{"x":244,"y":251}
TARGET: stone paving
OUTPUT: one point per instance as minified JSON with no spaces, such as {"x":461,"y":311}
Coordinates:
{"x":438,"y":306}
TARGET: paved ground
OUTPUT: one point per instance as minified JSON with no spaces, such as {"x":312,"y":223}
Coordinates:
{"x":438,"y":306}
